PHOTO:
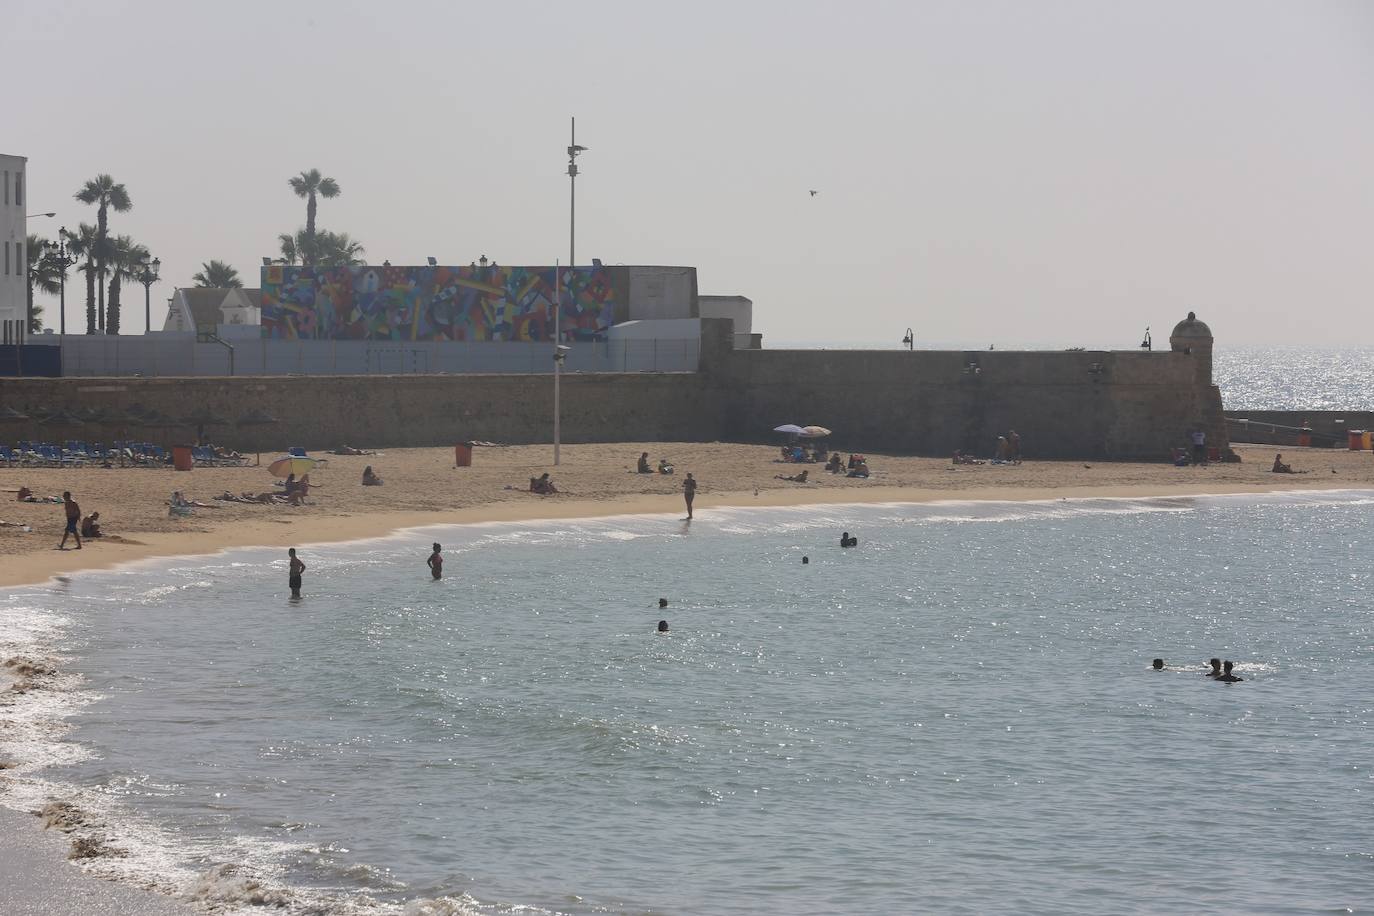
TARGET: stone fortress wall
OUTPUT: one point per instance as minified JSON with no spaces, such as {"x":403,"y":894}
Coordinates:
{"x":1128,"y":405}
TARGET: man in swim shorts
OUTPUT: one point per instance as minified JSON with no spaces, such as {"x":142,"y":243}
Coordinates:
{"x":73,"y":519}
{"x":436,"y":563}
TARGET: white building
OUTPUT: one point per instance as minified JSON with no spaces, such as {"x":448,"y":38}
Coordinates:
{"x":740,"y":310}
{"x":195,"y":308}
{"x":14,"y":304}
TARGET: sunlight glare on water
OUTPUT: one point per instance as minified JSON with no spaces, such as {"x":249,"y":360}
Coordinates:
{"x":958,"y":716}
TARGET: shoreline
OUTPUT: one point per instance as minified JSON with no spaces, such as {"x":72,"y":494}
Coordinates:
{"x":39,"y":567}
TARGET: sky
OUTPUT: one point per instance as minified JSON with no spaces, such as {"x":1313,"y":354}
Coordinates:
{"x":1054,"y":173}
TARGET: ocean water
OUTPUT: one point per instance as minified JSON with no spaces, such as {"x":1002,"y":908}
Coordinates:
{"x":957,"y":717}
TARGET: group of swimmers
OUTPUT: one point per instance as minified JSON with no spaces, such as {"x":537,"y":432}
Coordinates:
{"x":1217,"y":670}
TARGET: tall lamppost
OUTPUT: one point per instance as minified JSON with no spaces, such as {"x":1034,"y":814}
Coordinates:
{"x":63,"y":260}
{"x":573,"y":152}
{"x":148,"y":277}
{"x":909,"y":340}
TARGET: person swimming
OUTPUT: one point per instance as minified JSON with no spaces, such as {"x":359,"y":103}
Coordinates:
{"x":806,"y":560}
{"x":847,"y":541}
{"x":663,"y":602}
{"x":1227,"y":676}
{"x":1216,"y":668}
{"x":1158,"y":664}
{"x":663,"y":626}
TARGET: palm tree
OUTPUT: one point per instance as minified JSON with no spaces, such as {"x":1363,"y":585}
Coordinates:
{"x":336,"y":249}
{"x":83,"y":244}
{"x":291,"y":245}
{"x":126,"y":256}
{"x":218,"y":275}
{"x":44,"y":274}
{"x":104,"y":192}
{"x":309,"y":184}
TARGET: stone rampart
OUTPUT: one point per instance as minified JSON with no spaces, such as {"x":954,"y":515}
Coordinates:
{"x":1069,"y":404}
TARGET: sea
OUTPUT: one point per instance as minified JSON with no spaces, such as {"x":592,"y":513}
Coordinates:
{"x":959,"y":715}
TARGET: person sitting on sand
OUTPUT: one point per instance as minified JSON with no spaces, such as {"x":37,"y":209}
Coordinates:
{"x":349,"y":450}
{"x":24,"y":495}
{"x":836,"y":464}
{"x":795,"y":478}
{"x":542,"y":485}
{"x":1280,"y":467}
{"x":90,"y":526}
{"x":860,"y":469}
{"x":664,"y":467}
{"x":178,"y":505}
{"x":370,"y":479}
{"x":643,"y":467}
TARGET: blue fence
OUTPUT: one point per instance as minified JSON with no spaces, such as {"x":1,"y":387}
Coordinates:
{"x":29,"y":359}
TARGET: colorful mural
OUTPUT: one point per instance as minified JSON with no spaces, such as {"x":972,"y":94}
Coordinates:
{"x":434,"y":303}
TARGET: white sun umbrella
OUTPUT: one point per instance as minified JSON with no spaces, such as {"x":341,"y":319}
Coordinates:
{"x":790,"y":429}
{"x":814,"y":432}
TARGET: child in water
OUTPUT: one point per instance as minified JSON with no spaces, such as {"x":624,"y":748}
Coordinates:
{"x":436,"y":563}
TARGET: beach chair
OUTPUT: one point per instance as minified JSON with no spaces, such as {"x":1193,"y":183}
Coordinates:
{"x":8,"y":455}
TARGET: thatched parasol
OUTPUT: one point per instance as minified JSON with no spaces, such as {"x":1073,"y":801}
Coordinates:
{"x":257,"y":417}
{"x":201,"y":419}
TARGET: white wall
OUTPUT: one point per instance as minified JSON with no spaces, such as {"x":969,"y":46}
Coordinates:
{"x":664,"y":329}
{"x":662,"y":292}
{"x":13,"y":288}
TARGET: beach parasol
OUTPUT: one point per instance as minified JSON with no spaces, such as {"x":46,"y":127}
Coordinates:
{"x":257,"y":417}
{"x":291,"y":464}
{"x":62,"y":418}
{"x":790,"y":429}
{"x":201,"y":419}
{"x":814,"y":432}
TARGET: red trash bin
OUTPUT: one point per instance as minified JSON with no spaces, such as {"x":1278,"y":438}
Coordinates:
{"x":182,"y":459}
{"x":1356,"y":439}
{"x":462,"y":455}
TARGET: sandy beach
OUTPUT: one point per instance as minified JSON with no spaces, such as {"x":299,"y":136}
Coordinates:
{"x":422,"y":487}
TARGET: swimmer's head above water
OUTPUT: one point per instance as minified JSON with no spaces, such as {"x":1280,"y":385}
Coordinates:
{"x":1158,"y":664}
{"x":663,"y":626}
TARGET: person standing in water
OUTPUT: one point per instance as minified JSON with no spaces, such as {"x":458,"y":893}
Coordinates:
{"x":436,"y":563}
{"x":689,"y":492}
{"x":297,"y":567}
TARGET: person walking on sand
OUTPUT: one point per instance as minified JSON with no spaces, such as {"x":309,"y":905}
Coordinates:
{"x":436,"y":563}
{"x":297,"y":567}
{"x":73,"y":519}
{"x":689,"y":492}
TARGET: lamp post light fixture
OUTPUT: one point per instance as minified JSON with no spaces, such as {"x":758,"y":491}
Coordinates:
{"x":573,"y":152}
{"x":58,"y":255}
{"x":148,"y":276}
{"x":909,"y":340}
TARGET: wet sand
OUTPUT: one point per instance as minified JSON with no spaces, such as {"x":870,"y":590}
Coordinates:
{"x":422,"y":487}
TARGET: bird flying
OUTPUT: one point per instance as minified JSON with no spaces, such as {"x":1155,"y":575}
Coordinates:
{"x":814,"y":193}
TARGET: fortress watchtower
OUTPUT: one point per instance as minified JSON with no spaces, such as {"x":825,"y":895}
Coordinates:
{"x":1193,"y":336}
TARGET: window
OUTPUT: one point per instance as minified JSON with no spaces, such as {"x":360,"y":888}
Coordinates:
{"x":7,"y":186}
{"x":19,"y":189}
{"x":19,"y":258}
{"x":7,"y":260}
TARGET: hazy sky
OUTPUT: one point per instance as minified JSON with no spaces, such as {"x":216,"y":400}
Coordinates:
{"x":1012,"y":172}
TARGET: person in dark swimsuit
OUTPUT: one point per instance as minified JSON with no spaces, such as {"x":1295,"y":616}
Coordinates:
{"x":1215,"y":669}
{"x":1227,"y":677}
{"x":663,"y":626}
{"x":73,"y":519}
{"x":436,"y":563}
{"x":689,"y":492}
{"x":297,"y":567}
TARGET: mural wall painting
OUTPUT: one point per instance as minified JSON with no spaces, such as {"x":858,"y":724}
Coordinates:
{"x":434,"y":303}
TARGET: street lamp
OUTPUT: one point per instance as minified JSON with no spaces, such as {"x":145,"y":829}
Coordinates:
{"x":909,"y":340}
{"x":62,"y":259}
{"x":560,"y":353}
{"x":573,"y":152}
{"x":148,"y":277}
